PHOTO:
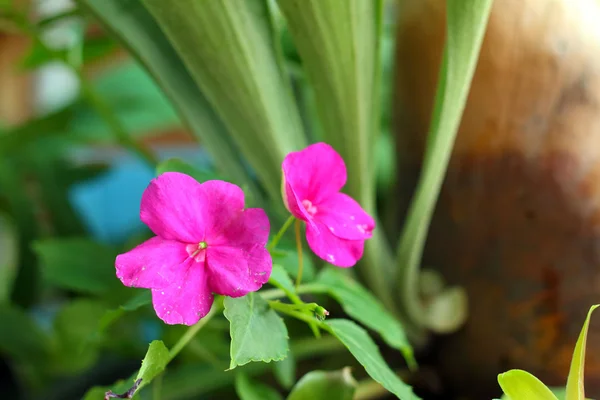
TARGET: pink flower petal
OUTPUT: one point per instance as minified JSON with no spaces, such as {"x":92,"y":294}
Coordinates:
{"x":314,"y":173}
{"x":235,"y":272}
{"x":251,"y":227}
{"x":176,"y":206}
{"x":153,"y":264}
{"x":345,"y":218}
{"x":187,"y":298}
{"x":336,"y":251}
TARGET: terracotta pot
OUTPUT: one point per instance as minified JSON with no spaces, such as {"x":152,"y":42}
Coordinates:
{"x":518,"y":220}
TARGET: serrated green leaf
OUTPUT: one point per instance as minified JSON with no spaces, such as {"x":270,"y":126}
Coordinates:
{"x":325,"y":385}
{"x":361,"y":305}
{"x":362,"y":347}
{"x":575,"y":389}
{"x":20,"y":337}
{"x":134,"y":26}
{"x":9,"y":255}
{"x":465,"y":28}
{"x":248,"y":389}
{"x":257,"y":332}
{"x":521,"y":385}
{"x":78,"y":264}
{"x":177,"y":165}
{"x":156,"y":359}
{"x":285,"y":371}
{"x":228,"y":48}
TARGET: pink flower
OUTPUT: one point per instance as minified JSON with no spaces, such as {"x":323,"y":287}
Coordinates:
{"x":206,"y":243}
{"x":336,"y":225}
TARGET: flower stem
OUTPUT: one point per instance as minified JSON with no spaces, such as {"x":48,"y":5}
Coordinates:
{"x":279,"y":234}
{"x":292,"y":311}
{"x":299,"y":250}
{"x":191,"y":332}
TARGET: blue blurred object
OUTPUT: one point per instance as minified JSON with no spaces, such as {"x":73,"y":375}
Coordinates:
{"x":110,"y":204}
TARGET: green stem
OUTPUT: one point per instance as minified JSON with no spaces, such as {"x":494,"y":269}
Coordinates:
{"x":191,"y":332}
{"x":157,"y":387}
{"x":299,"y":250}
{"x":292,"y":311}
{"x":279,"y":234}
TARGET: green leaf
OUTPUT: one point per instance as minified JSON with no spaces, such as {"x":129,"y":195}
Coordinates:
{"x":74,"y":326}
{"x":521,"y":385}
{"x":362,"y":347}
{"x":288,"y":258}
{"x":177,"y":165}
{"x":228,"y":48}
{"x":157,"y":358}
{"x":143,"y":298}
{"x":280,"y":278}
{"x":285,"y":371}
{"x":466,"y":23}
{"x":9,"y":257}
{"x":257,"y":332}
{"x":21,"y":337}
{"x":575,"y":390}
{"x":361,"y":305}
{"x":248,"y":389}
{"x":78,"y":264}
{"x":131,"y":23}
{"x":322,"y":385}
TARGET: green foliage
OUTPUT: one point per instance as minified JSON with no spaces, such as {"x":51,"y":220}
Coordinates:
{"x":575,"y":380}
{"x":362,"y":347}
{"x":248,"y":389}
{"x":257,"y":332}
{"x":9,"y":253}
{"x":520,"y":385}
{"x":78,"y":264}
{"x":154,"y":363}
{"x":177,"y":165}
{"x":285,"y":370}
{"x":20,"y":337}
{"x":325,"y":385}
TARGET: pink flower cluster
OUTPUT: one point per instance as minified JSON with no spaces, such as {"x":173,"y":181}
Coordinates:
{"x":207,"y":243}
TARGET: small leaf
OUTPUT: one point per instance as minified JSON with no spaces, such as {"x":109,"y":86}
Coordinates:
{"x":177,"y":165}
{"x":285,"y":371}
{"x":280,"y":278}
{"x":322,"y":385}
{"x":362,"y":347}
{"x":157,"y":358}
{"x":9,"y":254}
{"x":521,"y":385}
{"x":78,"y":264}
{"x":257,"y":332}
{"x":575,"y":390}
{"x":361,"y":305}
{"x":21,"y":337}
{"x":248,"y":389}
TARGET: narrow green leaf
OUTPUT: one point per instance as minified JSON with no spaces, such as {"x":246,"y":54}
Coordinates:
{"x":9,"y":256}
{"x":131,"y":23}
{"x":177,"y":165}
{"x":285,"y":371}
{"x":521,"y":385}
{"x":78,"y":264}
{"x":257,"y":332}
{"x":575,"y":389}
{"x":248,"y":389}
{"x":157,"y":358}
{"x":228,"y":49}
{"x":21,"y":337}
{"x":361,"y":305}
{"x":362,"y":347}
{"x":280,"y":278}
{"x":466,"y":23}
{"x":325,"y":385}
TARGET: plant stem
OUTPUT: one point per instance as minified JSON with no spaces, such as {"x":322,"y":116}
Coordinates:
{"x":191,"y":332}
{"x":291,"y":310}
{"x":157,"y":387}
{"x":279,"y":234}
{"x":299,"y":250}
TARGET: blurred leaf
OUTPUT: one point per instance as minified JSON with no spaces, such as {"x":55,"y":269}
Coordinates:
{"x":466,"y":23}
{"x":78,"y":264}
{"x":257,"y":332}
{"x":280,"y":278}
{"x":287,"y":257}
{"x":447,"y":311}
{"x":21,"y":337}
{"x":285,"y":371}
{"x":325,"y":385}
{"x":575,"y":389}
{"x":361,"y":305}
{"x":154,"y":363}
{"x":177,"y":165}
{"x":248,"y":389}
{"x":362,"y":347}
{"x":9,"y":256}
{"x":135,"y":27}
{"x":521,"y":385}
{"x":228,"y":49}
{"x":74,"y":325}
{"x":144,"y":297}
